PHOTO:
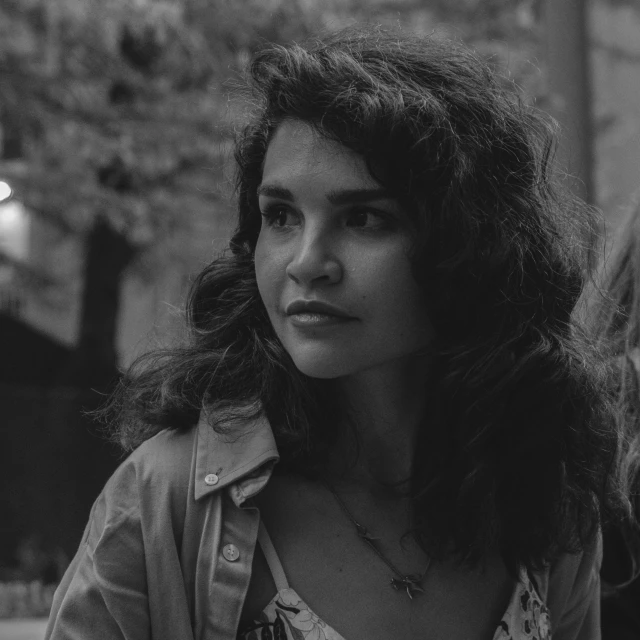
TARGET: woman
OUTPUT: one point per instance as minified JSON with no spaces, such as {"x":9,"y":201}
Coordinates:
{"x":393,"y":325}
{"x":616,"y":320}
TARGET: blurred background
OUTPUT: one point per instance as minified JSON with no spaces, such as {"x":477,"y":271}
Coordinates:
{"x":116,"y":124}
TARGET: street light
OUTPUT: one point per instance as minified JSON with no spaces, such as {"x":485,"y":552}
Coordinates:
{"x":14,"y":225}
{"x":5,"y":191}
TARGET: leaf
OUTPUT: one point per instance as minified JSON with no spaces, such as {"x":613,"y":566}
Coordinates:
{"x":266,"y":633}
{"x":279,"y":629}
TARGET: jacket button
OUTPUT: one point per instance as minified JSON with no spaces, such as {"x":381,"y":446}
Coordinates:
{"x":230,"y":552}
{"x":211,"y":479}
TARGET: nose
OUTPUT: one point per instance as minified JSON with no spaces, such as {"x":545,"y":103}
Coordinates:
{"x":314,"y":261}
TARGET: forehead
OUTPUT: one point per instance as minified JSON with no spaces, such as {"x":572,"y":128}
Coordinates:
{"x":298,"y":152}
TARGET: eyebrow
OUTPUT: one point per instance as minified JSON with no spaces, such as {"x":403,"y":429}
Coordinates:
{"x":344,"y":196}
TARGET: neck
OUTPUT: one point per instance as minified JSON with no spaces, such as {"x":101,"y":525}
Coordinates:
{"x":386,"y":407}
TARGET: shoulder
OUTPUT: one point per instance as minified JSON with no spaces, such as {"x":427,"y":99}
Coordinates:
{"x":128,"y":563}
{"x":573,"y":574}
{"x":165,"y":458}
{"x":571,"y":589}
{"x":152,"y":482}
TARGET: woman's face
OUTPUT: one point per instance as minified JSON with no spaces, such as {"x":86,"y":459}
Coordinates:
{"x":332,"y":260}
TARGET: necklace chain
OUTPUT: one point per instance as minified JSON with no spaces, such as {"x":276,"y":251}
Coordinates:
{"x":411,"y":583}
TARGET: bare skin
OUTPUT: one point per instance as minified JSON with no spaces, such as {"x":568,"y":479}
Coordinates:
{"x":348,"y":586}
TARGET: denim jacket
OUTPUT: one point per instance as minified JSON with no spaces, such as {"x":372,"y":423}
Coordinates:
{"x":168,"y":549}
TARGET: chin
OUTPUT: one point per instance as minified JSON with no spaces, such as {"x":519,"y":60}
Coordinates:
{"x":321,"y":369}
{"x":323,"y":365}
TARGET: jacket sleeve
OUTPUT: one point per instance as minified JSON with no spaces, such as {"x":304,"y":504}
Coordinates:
{"x":574,"y":595}
{"x":103,"y":595}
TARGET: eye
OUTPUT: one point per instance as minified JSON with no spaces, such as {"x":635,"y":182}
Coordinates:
{"x":279,"y":216}
{"x":366,"y":218}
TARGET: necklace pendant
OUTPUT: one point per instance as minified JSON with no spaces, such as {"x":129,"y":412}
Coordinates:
{"x":411,"y":584}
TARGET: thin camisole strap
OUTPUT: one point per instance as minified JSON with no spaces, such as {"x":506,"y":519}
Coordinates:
{"x":275,"y":566}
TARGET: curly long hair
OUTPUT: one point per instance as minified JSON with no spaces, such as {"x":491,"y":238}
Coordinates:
{"x":518,"y":450}
{"x":614,"y":314}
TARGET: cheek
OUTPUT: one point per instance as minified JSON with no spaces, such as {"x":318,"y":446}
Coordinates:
{"x":260,"y":265}
{"x":267,"y":269}
{"x":389,"y":278}
{"x":402,"y":298}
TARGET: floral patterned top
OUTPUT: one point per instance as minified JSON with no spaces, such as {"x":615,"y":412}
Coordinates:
{"x":288,"y":617}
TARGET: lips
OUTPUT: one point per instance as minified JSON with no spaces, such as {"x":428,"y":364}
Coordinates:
{"x":315,"y":307}
{"x":314,"y":316}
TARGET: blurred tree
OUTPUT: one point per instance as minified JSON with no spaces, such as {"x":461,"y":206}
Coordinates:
{"x":111,"y":107}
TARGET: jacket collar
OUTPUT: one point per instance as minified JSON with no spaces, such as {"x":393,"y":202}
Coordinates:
{"x":242,"y":460}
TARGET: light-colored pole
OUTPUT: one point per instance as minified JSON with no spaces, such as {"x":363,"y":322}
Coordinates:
{"x":569,"y":82}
